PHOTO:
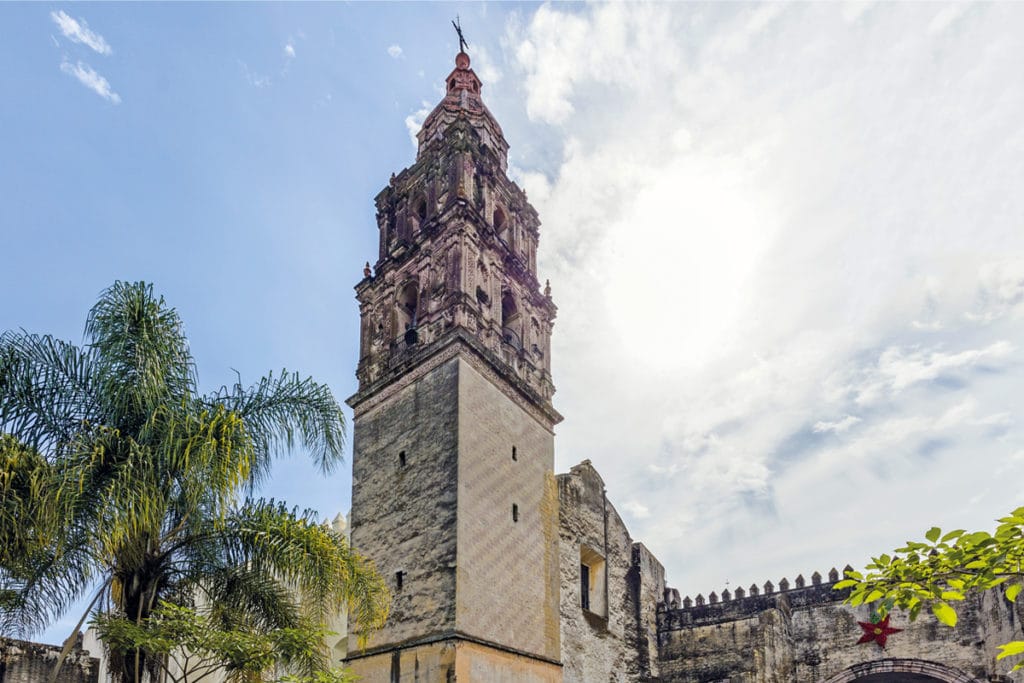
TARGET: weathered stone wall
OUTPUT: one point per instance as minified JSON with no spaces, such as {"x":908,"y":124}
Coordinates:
{"x":807,"y":635}
{"x":24,"y":662}
{"x":403,"y":516}
{"x":454,"y":661}
{"x":615,"y":645}
{"x":476,"y":662}
{"x":428,"y":663}
{"x":824,"y":638}
{"x":741,"y":649}
{"x":507,"y":576}
{"x":647,"y":581}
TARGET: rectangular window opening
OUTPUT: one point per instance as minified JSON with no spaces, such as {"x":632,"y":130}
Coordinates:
{"x":593,"y":581}
{"x":401,"y":459}
{"x":515,"y":512}
{"x":514,"y":456}
{"x":584,"y":586}
{"x":398,"y":579}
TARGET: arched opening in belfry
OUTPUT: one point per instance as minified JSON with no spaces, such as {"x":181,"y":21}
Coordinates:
{"x":500,"y":222}
{"x":417,"y":213}
{"x":510,"y":320}
{"x":405,"y":309}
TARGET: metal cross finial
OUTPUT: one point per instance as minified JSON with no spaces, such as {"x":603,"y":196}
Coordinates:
{"x":458,"y":29}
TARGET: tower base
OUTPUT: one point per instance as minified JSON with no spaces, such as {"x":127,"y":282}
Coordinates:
{"x":450,"y":660}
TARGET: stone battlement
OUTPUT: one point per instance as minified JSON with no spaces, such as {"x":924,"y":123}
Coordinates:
{"x":675,"y":614}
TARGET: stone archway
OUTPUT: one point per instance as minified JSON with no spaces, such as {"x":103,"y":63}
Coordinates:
{"x":901,"y":671}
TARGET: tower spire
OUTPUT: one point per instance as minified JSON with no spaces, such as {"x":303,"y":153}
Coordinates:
{"x":462,"y":99}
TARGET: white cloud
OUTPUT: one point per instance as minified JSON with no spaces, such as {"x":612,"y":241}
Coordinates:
{"x":414,"y":121}
{"x":395,"y":51}
{"x":899,"y":368}
{"x":484,"y":66}
{"x":1000,"y":291}
{"x":946,"y":17}
{"x":636,"y":509}
{"x":852,"y":11}
{"x":996,"y":419}
{"x":255,"y":79}
{"x":77,"y":31}
{"x":838,"y":426}
{"x":784,"y":288}
{"x":90,"y":79}
{"x":535,"y":184}
{"x":289,"y":51}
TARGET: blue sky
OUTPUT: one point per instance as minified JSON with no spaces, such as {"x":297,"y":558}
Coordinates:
{"x":235,"y":173}
{"x":785,"y":240}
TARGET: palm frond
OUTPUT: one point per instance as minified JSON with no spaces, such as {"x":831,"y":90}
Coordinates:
{"x":142,"y":351}
{"x":204,"y":456}
{"x":113,"y":486}
{"x":279,"y":411}
{"x":312,"y":559}
{"x":240,"y":597}
{"x":49,"y":582}
{"x":47,"y":389}
{"x":45,"y":559}
{"x":24,"y":521}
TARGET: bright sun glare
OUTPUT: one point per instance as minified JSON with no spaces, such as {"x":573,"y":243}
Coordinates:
{"x":676,"y":290}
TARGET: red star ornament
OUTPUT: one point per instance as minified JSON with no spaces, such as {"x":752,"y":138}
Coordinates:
{"x":878,"y":633}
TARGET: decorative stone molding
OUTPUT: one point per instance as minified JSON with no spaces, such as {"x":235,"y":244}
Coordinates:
{"x":457,"y":345}
{"x":907,"y":666}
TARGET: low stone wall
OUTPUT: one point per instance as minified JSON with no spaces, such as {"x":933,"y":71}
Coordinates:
{"x":24,"y":662}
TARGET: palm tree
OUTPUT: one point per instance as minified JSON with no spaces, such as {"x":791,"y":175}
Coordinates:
{"x":121,"y":482}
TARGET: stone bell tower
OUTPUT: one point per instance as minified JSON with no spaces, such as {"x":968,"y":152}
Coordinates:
{"x":453,"y":493}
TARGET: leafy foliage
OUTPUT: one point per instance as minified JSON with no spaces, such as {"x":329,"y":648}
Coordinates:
{"x":121,"y":481}
{"x":938,"y":572}
{"x":191,"y":648}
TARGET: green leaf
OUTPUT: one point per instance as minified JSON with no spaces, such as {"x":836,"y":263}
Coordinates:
{"x":992,"y":583}
{"x":874,"y":595}
{"x":933,"y":534}
{"x":944,"y":613}
{"x":1013,"y":648}
{"x":1013,"y":591}
{"x":845,"y":583}
{"x":952,"y":595}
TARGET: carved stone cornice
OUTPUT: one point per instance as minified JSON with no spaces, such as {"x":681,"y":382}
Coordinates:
{"x":457,"y":343}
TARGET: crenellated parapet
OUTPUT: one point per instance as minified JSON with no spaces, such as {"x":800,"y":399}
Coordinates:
{"x":739,"y":603}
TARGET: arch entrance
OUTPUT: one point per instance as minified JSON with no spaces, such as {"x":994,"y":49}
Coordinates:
{"x":901,"y":671}
{"x":898,"y":678}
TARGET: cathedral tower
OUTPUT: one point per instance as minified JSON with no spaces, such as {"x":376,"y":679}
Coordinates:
{"x":453,"y":493}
